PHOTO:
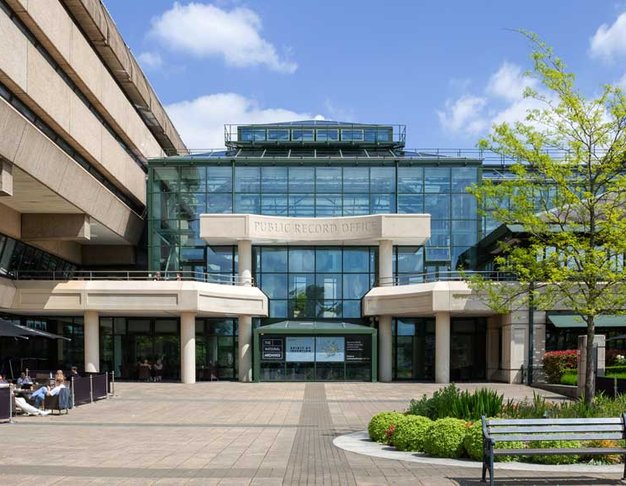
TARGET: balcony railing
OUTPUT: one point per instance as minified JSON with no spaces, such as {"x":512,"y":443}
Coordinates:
{"x":128,"y":276}
{"x":448,"y":276}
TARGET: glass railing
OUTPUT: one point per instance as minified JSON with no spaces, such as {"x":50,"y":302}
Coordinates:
{"x":448,"y":276}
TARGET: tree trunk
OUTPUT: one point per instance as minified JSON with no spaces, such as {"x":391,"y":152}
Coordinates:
{"x":590,"y":369}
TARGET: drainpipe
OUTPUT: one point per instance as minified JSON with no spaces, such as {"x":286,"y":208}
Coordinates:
{"x":531,"y":331}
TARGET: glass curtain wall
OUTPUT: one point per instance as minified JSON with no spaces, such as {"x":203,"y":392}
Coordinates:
{"x":126,"y":343}
{"x":319,"y":282}
{"x":216,"y":349}
{"x":180,"y":193}
{"x":16,"y":256}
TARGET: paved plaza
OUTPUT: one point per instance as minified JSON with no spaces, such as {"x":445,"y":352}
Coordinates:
{"x":231,"y":434}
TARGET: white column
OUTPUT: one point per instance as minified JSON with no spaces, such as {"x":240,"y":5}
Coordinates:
{"x":92,"y":341}
{"x":188,"y":347}
{"x":245,"y":348}
{"x":244,"y":254}
{"x":442,"y":347}
{"x":385,"y":349}
{"x":385,"y":263}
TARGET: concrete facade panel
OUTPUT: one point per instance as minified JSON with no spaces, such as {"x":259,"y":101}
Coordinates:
{"x":7,"y":293}
{"x":86,"y":129}
{"x":50,"y":17}
{"x":12,"y":129}
{"x":10,"y":222}
{"x":13,"y":53}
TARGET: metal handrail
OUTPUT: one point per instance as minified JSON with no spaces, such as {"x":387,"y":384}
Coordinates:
{"x":446,"y":276}
{"x":131,"y":275}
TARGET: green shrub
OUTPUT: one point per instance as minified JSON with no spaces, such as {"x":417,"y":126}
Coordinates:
{"x":556,"y":362}
{"x":380,"y":423}
{"x":444,"y":438}
{"x":557,"y":459}
{"x":569,"y":378}
{"x":609,"y":458}
{"x":452,"y":402}
{"x":411,"y":432}
{"x":473,"y":444}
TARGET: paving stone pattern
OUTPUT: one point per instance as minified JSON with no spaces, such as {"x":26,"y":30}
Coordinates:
{"x":229,"y":434}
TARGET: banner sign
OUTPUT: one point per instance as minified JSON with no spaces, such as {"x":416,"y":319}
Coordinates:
{"x":300,"y":349}
{"x":329,"y":348}
{"x":358,"y":348}
{"x":272,"y":349}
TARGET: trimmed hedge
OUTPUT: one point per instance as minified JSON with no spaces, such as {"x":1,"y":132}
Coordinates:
{"x":558,"y":444}
{"x":444,"y":438}
{"x":411,"y":432}
{"x":380,"y":424}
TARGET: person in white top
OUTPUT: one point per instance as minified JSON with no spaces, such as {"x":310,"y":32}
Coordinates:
{"x":23,"y":405}
{"x":40,"y":395}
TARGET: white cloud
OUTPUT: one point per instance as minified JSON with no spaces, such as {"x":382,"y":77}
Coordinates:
{"x":150,"y":60}
{"x":201,"y":121}
{"x":464,"y":114}
{"x":509,"y":82}
{"x":502,"y":100}
{"x":609,"y":41}
{"x":209,"y":31}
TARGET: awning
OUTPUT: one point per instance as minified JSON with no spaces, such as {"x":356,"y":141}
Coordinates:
{"x":314,"y":327}
{"x":572,"y":320}
{"x":10,"y":329}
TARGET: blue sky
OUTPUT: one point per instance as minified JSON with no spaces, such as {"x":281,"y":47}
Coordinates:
{"x":446,"y":69}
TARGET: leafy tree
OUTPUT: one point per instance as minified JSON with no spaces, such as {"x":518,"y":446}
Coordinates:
{"x":569,"y":195}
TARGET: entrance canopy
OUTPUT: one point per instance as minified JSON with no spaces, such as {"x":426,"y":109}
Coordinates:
{"x":400,"y":229}
{"x":314,"y":327}
{"x":572,"y":320}
{"x":9,"y":329}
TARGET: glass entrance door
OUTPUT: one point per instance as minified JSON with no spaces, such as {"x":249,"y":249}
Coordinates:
{"x":216,"y":349}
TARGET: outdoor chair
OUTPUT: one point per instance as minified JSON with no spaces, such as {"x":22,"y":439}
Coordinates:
{"x":62,"y":401}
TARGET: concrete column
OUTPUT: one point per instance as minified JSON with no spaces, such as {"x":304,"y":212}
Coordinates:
{"x":385,"y":349}
{"x":188,"y":347}
{"x":92,"y":341}
{"x":245,"y":349}
{"x":244,"y":253}
{"x":385,"y":263}
{"x":442,"y":347}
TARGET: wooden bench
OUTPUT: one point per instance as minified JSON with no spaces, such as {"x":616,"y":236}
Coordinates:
{"x":527,"y":430}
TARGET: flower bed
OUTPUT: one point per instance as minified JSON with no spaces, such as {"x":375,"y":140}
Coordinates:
{"x":447,"y":433}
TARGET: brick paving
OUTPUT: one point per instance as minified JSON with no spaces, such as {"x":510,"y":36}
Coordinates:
{"x":230,"y":434}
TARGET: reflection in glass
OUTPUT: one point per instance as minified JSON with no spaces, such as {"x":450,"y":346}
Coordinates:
{"x":273,"y":259}
{"x":328,"y":205}
{"x":301,"y":179}
{"x":328,"y":179}
{"x":328,"y":260}
{"x":274,"y":285}
{"x":356,"y":179}
{"x":220,"y":179}
{"x":274,"y":179}
{"x":301,"y":205}
{"x":247,"y":179}
{"x":355,"y":285}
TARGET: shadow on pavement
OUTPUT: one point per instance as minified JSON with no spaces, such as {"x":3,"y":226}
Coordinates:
{"x":555,"y":480}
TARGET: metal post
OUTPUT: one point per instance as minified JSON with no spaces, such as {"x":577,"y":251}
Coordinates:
{"x":73,"y":393}
{"x":531,"y":331}
{"x":91,"y":388}
{"x":113,"y":383}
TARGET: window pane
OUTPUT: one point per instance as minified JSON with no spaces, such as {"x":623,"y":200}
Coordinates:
{"x":273,"y":259}
{"x":410,"y":180}
{"x":463,"y":206}
{"x":302,"y":135}
{"x":219,"y":203}
{"x":436,"y":180}
{"x":274,"y":205}
{"x":383,"y":179}
{"x":355,"y":285}
{"x":351,"y":135}
{"x":301,"y":205}
{"x":327,"y":260}
{"x":247,"y":179}
{"x":167,"y":177}
{"x":410,"y":204}
{"x":356,"y":204}
{"x":220,"y":259}
{"x":278,"y":135}
{"x":330,"y":309}
{"x":219,"y":179}
{"x":325,"y":135}
{"x":278,"y":309}
{"x":328,"y":179}
{"x":301,"y":260}
{"x":463,"y":177}
{"x":356,"y":179}
{"x":193,"y":179}
{"x":410,"y":260}
{"x":274,"y":285}
{"x":328,"y":286}
{"x":437,"y":206}
{"x":247,"y":203}
{"x":301,"y":179}
{"x":351,"y":308}
{"x":328,"y":205}
{"x":439,"y":233}
{"x":356,"y":260}
{"x":464,"y":233}
{"x":274,"y":179}
{"x":383,"y":203}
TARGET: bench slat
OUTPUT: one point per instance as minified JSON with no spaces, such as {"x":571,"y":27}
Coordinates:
{"x":495,"y":431}
{"x":559,"y":436}
{"x":543,"y":421}
{"x":551,"y":452}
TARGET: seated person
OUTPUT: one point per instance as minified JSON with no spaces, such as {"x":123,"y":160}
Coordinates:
{"x":23,"y":405}
{"x":73,"y":374}
{"x":40,"y":395}
{"x":3,"y":381}
{"x":24,"y":380}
